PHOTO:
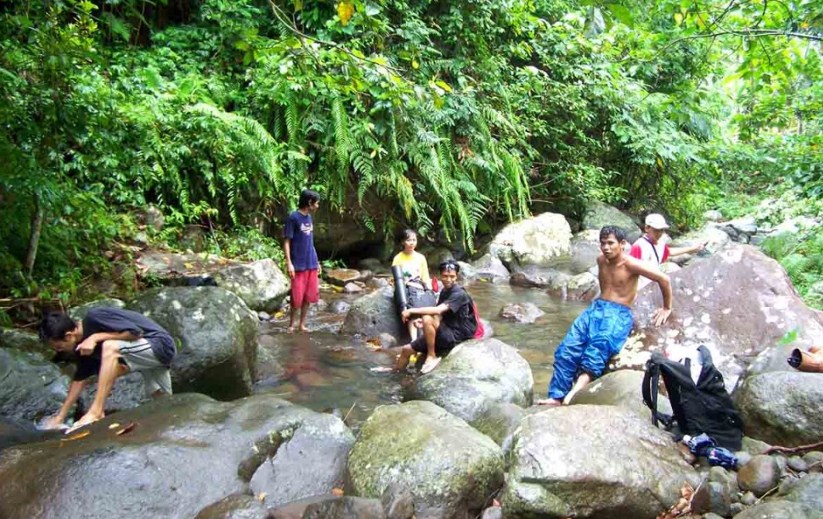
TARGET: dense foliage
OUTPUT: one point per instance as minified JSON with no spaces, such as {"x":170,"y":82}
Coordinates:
{"x":448,"y":116}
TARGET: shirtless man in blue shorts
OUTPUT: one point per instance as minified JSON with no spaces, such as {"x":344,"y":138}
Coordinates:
{"x":600,"y":331}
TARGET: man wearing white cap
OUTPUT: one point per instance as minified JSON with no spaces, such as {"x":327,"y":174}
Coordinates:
{"x":653,"y":249}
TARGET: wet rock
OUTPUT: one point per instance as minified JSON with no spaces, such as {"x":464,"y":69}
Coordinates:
{"x":782,"y":408}
{"x":345,"y":507}
{"x":711,"y":498}
{"x":185,"y":452}
{"x":380,"y":282}
{"x":807,"y":491}
{"x":713,"y":297}
{"x":31,"y":387}
{"x":593,"y":461}
{"x":748,"y":499}
{"x":372,"y":315}
{"x":585,"y":248}
{"x":599,"y":215}
{"x":533,"y":276}
{"x":499,"y":422}
{"x":15,"y":431}
{"x":476,"y":375}
{"x":741,"y":229}
{"x":814,"y":461}
{"x":542,"y":240}
{"x":521,"y":312}
{"x":352,"y":288}
{"x":128,"y":392}
{"x":797,"y":464}
{"x":726,"y":478}
{"x":583,"y":287}
{"x":24,"y":341}
{"x":374,"y":265}
{"x":777,"y":510}
{"x":759,"y":475}
{"x":398,"y":503}
{"x":387,"y":341}
{"x":153,"y":217}
{"x":342,"y":277}
{"x":449,"y":467}
{"x":754,"y":447}
{"x":339,"y":306}
{"x":235,"y":506}
{"x":622,"y":389}
{"x":260,"y":284}
{"x":78,"y":313}
{"x":467,"y":272}
{"x":216,"y":334}
{"x":490,"y":268}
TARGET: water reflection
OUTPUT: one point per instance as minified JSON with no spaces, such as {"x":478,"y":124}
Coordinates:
{"x":328,"y":372}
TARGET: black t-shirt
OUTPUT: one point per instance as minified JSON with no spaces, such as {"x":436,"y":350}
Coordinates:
{"x":114,"y":320}
{"x":460,"y":316}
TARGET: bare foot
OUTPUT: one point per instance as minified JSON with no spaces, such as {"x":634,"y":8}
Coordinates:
{"x":303,"y":329}
{"x":87,"y":419}
{"x":549,"y":402}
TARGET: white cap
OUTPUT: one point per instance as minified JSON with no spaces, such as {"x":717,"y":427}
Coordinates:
{"x":656,"y":221}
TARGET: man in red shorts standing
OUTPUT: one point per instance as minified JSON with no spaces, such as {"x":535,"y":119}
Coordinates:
{"x":301,"y":257}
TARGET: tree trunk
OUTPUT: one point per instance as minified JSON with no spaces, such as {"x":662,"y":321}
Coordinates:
{"x":34,"y":237}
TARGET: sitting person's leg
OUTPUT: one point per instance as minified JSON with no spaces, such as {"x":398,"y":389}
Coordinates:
{"x":406,"y":352}
{"x":139,"y":356}
{"x":567,"y":360}
{"x":613,"y":324}
{"x":110,"y":369}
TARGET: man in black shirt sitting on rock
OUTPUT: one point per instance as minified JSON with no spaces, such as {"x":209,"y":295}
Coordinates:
{"x":446,"y":325}
{"x":109,"y":343}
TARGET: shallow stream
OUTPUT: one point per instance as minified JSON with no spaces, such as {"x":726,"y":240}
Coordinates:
{"x":328,"y":372}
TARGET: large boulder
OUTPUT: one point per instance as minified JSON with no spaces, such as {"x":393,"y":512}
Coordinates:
{"x":621,"y":389}
{"x":260,"y":284}
{"x":477,"y":375}
{"x":78,"y":313}
{"x":738,"y":302}
{"x":373,"y":314}
{"x":782,"y":408}
{"x":488,"y":267}
{"x":542,"y":240}
{"x":343,"y":277}
{"x":182,"y":454}
{"x":187,"y":269}
{"x":533,"y":276}
{"x":593,"y":461}
{"x":31,"y":387}
{"x":797,"y":499}
{"x":449,"y":468}
{"x":216,"y":334}
{"x":598,"y":215}
{"x":521,"y":312}
{"x":585,"y":248}
{"x":24,"y":341}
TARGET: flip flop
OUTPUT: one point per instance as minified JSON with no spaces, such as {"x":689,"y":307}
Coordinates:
{"x":429,"y":365}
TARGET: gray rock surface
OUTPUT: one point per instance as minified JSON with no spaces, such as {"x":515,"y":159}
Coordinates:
{"x":184,"y":453}
{"x":593,"y":461}
{"x":782,"y":408}
{"x":31,"y":387}
{"x":216,"y":334}
{"x":477,"y":375}
{"x":759,"y":475}
{"x":372,"y":315}
{"x":542,"y":240}
{"x":260,"y":284}
{"x":521,"y":312}
{"x":449,"y":467}
{"x":599,"y":214}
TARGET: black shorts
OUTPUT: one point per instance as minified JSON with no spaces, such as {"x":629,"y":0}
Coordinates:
{"x":444,"y":341}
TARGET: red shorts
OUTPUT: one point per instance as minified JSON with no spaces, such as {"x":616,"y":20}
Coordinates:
{"x":304,"y":288}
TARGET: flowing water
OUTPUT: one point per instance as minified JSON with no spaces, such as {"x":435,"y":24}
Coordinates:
{"x":328,"y":372}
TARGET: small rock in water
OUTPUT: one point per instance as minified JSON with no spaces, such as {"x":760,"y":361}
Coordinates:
{"x":263,"y":316}
{"x":352,"y":288}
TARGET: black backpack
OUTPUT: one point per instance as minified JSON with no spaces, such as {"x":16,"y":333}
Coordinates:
{"x":705,"y":407}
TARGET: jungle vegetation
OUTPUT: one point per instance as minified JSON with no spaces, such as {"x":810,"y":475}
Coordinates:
{"x":450,"y":116}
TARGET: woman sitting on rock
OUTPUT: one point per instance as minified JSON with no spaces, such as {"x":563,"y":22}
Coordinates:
{"x":415,"y":276}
